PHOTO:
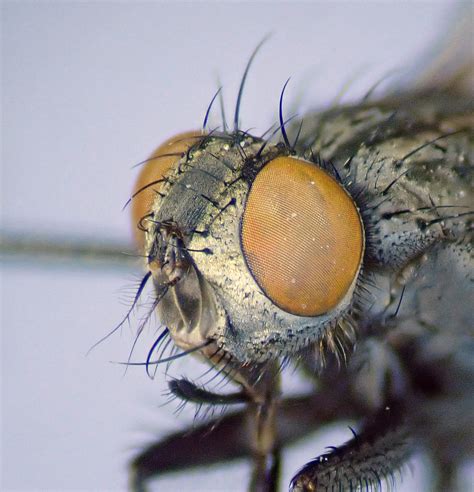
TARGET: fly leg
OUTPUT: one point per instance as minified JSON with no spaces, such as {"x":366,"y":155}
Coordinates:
{"x":381,"y":449}
{"x":261,"y":391}
{"x":262,"y":418}
{"x":247,"y":432}
{"x":446,"y":476}
{"x":251,"y":433}
{"x":220,"y":440}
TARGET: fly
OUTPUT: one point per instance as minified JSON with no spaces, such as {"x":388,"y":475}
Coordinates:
{"x":340,"y":245}
{"x":337,"y":250}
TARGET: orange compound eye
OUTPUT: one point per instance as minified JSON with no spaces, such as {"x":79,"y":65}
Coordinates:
{"x":156,"y":167}
{"x":302,"y":237}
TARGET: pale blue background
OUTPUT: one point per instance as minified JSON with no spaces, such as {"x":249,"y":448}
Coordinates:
{"x":88,"y":89}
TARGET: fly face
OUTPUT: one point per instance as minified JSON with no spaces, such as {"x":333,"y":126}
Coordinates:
{"x":272,"y":244}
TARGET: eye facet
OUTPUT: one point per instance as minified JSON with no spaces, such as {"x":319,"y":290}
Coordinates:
{"x":156,"y":167}
{"x":302,"y":236}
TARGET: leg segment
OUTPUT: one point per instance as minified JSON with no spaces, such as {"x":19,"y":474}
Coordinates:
{"x":365,"y":461}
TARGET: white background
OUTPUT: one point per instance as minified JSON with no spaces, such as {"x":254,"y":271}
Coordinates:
{"x":89,"y":89}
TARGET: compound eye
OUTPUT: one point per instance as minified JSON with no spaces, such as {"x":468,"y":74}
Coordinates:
{"x":302,"y":237}
{"x":149,"y":180}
